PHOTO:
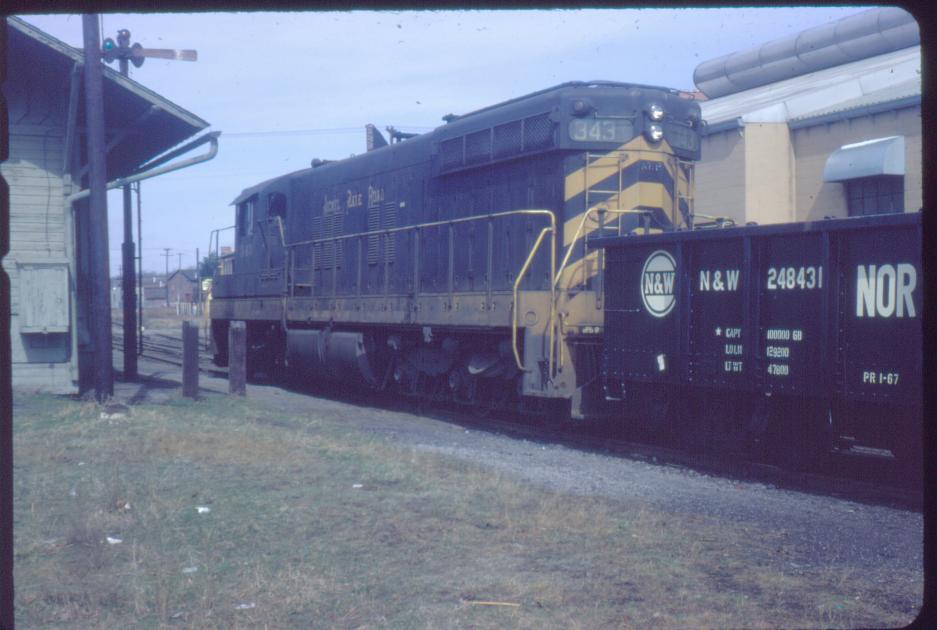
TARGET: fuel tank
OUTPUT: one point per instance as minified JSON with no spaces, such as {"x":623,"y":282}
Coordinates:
{"x":337,"y":356}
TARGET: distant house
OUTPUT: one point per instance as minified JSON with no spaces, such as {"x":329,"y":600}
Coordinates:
{"x":48,"y":262}
{"x":154,"y":290}
{"x":182,"y":286}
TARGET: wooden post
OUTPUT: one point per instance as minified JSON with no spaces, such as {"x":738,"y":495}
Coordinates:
{"x":97,"y":212}
{"x":190,"y":359}
{"x":237,"y":358}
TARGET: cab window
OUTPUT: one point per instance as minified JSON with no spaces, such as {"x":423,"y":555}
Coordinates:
{"x":245,"y":216}
{"x":276,"y":205}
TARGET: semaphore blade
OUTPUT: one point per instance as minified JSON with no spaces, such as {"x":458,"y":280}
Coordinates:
{"x":166,"y":53}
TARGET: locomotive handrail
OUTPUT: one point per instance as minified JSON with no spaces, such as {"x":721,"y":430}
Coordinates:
{"x":717,"y":222}
{"x":417,"y":226}
{"x":514,"y":300}
{"x":482,"y":217}
{"x":578,"y":234}
{"x":215,"y":237}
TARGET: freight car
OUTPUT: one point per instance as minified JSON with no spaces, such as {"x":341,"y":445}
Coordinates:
{"x":455,"y":263}
{"x":798,"y":337}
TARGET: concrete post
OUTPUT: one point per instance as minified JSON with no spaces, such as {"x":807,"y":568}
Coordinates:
{"x":190,"y":359}
{"x":237,"y":358}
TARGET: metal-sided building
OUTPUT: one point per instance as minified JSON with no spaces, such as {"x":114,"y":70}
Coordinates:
{"x":823,"y":123}
{"x":48,"y":263}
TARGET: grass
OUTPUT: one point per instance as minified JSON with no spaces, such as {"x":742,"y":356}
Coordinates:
{"x":425,"y":541}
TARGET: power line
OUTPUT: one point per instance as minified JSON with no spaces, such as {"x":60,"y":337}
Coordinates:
{"x":302,"y":132}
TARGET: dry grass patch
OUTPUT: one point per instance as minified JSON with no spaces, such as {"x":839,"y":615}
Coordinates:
{"x":309,"y":523}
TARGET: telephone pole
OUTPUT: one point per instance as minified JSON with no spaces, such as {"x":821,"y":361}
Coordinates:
{"x":97,"y":215}
{"x":166,"y":280}
{"x":127,"y":277}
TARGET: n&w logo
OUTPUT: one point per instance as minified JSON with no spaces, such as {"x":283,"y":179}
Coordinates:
{"x":657,"y":280}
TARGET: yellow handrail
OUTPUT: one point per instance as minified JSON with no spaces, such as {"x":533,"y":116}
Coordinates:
{"x":578,"y":234}
{"x":478,"y":217}
{"x":514,"y":300}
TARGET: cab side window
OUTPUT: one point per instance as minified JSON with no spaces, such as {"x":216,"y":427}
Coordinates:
{"x":245,"y":216}
{"x":276,"y":205}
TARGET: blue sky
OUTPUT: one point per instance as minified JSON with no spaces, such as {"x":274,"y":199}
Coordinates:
{"x":284,"y":88}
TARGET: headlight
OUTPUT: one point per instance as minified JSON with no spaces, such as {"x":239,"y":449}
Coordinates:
{"x":655,"y":112}
{"x":655,"y":132}
{"x":581,"y":107}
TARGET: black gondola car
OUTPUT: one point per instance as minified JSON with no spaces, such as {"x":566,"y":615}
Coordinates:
{"x":805,"y":334}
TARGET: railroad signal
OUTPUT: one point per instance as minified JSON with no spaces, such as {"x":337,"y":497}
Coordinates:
{"x":123,"y":51}
{"x":136,"y":54}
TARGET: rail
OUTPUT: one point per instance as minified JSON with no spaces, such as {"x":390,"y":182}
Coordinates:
{"x":490,"y":218}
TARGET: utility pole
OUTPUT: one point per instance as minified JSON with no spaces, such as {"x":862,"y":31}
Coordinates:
{"x":140,"y":273}
{"x":166,"y":281}
{"x":97,"y":215}
{"x":179,"y":264}
{"x":127,"y":279}
{"x":198,"y":278}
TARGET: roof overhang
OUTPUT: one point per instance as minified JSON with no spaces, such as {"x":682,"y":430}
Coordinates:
{"x":868,"y":81}
{"x":882,"y":156}
{"x":140,"y":123}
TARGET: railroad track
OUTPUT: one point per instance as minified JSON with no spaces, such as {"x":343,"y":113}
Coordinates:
{"x":863,"y":477}
{"x":855,"y":475}
{"x":167,"y":348}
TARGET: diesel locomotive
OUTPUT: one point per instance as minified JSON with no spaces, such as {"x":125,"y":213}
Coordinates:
{"x":456,"y":263}
{"x":544,"y":254}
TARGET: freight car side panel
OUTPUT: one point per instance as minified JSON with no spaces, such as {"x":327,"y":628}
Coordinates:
{"x":640,"y":308}
{"x":881,"y":300}
{"x":793,"y":313}
{"x":721,"y":338}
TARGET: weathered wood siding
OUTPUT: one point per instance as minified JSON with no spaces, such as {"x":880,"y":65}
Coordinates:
{"x":39,"y":264}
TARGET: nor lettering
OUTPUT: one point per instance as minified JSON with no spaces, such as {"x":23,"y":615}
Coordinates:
{"x":886,"y":290}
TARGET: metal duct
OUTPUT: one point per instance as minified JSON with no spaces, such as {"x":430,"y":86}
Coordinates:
{"x":867,"y":34}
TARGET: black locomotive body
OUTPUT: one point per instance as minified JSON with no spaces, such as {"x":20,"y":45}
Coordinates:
{"x":799,"y":335}
{"x":455,"y":262}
